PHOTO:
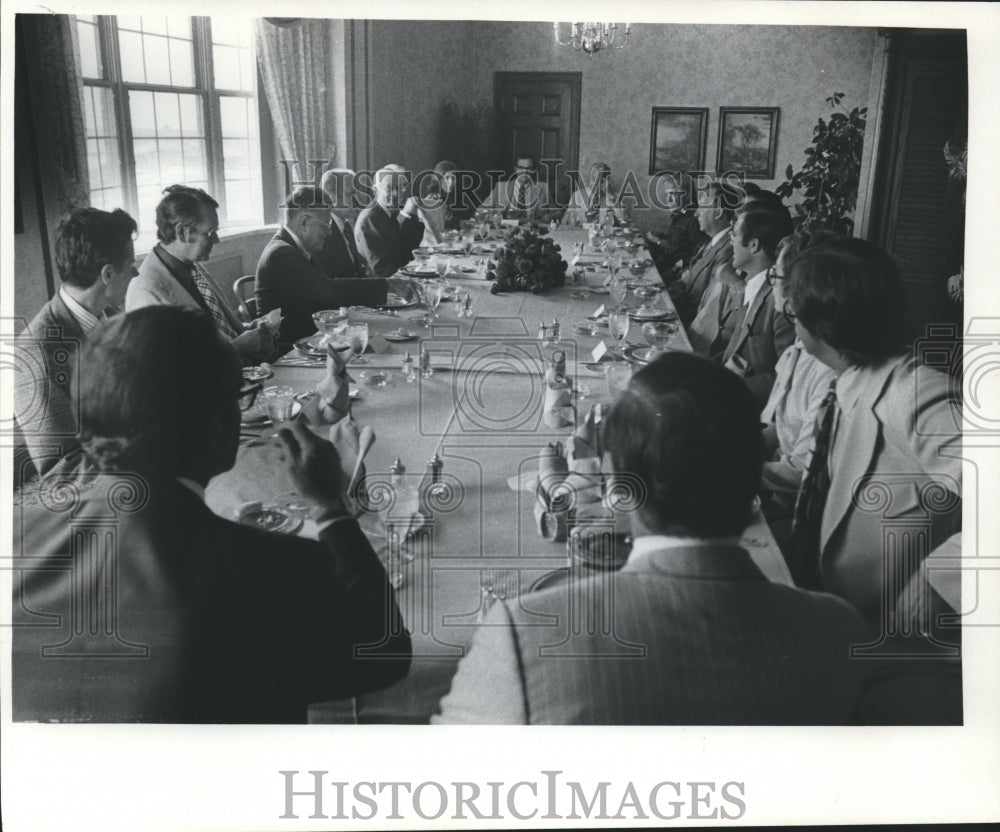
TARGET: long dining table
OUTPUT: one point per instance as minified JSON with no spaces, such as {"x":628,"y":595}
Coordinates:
{"x":481,"y":414}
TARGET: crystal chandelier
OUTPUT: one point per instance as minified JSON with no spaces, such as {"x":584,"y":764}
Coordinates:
{"x":592,"y":37}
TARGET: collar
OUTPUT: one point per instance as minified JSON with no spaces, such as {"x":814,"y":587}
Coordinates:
{"x":87,"y":320}
{"x":298,"y":243}
{"x":719,"y":235}
{"x":753,"y":287}
{"x":643,"y":546}
{"x":172,"y":262}
{"x":196,"y":488}
{"x":850,"y":385}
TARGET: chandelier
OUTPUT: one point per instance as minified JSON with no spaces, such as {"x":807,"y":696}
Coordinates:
{"x":592,"y":37}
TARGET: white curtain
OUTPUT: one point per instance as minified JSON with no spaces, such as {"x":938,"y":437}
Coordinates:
{"x":294,"y":56}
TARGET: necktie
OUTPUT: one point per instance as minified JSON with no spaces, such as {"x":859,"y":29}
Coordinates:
{"x":521,"y":200}
{"x":360,"y":264}
{"x":812,"y":498}
{"x":213,"y":304}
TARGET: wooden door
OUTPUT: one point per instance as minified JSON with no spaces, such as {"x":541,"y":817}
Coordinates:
{"x":538,"y":114}
{"x":920,"y":211}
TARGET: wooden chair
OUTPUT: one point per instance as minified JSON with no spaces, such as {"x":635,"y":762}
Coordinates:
{"x":243,"y":288}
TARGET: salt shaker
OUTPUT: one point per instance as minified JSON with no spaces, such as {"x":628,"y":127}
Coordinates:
{"x":426,"y":370}
{"x":409,"y":371}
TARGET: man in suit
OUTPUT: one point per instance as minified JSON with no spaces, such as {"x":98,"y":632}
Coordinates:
{"x":339,"y":256}
{"x":688,"y":631}
{"x":290,"y":278}
{"x":888,"y":467}
{"x":137,"y":604}
{"x":389,"y":229}
{"x":711,"y":268}
{"x":522,"y":196}
{"x":762,"y":332}
{"x":187,"y":225}
{"x":96,"y":260}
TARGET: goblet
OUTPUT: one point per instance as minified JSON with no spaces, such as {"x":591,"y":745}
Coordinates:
{"x":357,"y":334}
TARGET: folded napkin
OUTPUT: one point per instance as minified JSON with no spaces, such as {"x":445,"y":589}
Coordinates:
{"x":557,"y":409}
{"x":352,"y":443}
{"x":333,"y":402}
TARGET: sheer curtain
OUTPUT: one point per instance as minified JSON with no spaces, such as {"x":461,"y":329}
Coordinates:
{"x":294,"y":56}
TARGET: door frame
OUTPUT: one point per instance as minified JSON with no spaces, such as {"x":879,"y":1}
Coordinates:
{"x":575,"y":81}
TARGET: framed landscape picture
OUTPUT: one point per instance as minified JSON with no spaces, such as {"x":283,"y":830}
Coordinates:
{"x":677,"y":139}
{"x":748,"y":141}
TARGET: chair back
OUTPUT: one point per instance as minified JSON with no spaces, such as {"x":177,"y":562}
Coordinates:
{"x":243,"y":289}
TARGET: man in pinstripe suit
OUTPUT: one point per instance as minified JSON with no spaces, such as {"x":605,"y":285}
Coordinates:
{"x":689,"y":631}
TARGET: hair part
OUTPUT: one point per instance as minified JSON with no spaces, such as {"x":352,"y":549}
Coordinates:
{"x":90,"y":239}
{"x":689,"y":430}
{"x":849,"y":294}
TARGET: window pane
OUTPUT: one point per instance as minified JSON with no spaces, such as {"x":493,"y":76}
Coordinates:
{"x":239,"y":202}
{"x":132,"y":22}
{"x":157,"y":59}
{"x":248,"y":66}
{"x":155,"y":24}
{"x":171,"y":162}
{"x":110,"y":162}
{"x":88,"y":111}
{"x":227,"y":67}
{"x":179,"y":27}
{"x":148,"y":199}
{"x":90,"y":50}
{"x":233,"y":113}
{"x":133,"y":66}
{"x":94,"y":166}
{"x":194,"y":160}
{"x":181,"y":63}
{"x":236,"y":157}
{"x":191,"y":116}
{"x":225,"y":30}
{"x":143,"y":115}
{"x":147,"y":166}
{"x":104,"y":112}
{"x":168,"y":118}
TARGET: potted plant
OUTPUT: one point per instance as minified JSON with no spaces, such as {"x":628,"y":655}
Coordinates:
{"x":829,"y":178}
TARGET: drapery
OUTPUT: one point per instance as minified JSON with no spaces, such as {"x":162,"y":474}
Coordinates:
{"x":59,"y":110}
{"x":294,"y":59}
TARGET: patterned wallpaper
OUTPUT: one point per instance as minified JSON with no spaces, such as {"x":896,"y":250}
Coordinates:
{"x":418,"y":64}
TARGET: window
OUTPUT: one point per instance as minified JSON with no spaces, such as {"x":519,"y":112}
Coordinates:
{"x":171,"y":100}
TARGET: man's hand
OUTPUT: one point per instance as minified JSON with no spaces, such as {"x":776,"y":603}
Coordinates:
{"x":256,"y":344}
{"x":314,"y":466}
{"x":410,"y":207}
{"x":404,"y":287}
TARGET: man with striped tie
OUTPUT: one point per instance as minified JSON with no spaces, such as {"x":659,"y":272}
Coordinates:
{"x":172,"y":274}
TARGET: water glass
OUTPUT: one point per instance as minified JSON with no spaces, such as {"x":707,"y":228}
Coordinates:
{"x":357,"y":334}
{"x":618,"y":290}
{"x":617,"y":375}
{"x":618,"y":325}
{"x":278,"y":403}
{"x":330,"y":322}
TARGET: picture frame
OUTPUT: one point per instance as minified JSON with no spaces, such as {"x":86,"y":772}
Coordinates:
{"x":677,"y":139}
{"x":748,"y":141}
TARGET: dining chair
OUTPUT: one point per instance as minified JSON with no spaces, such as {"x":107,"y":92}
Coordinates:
{"x":243,"y":288}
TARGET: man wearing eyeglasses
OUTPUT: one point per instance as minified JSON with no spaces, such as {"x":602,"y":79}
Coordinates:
{"x":290,"y":276}
{"x":389,"y":229}
{"x":187,"y":225}
{"x":522,"y":196}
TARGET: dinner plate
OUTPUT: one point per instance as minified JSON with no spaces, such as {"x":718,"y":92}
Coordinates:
{"x":639,"y":354}
{"x":394,"y":301}
{"x":400,"y":335}
{"x":596,"y":366}
{"x":652,"y":315}
{"x":550,"y":579}
{"x":270,"y":518}
{"x":449,"y":251}
{"x":312,"y":345}
{"x":419,"y":273}
{"x":581,"y":294}
{"x":258,"y":373}
{"x":585,"y":327}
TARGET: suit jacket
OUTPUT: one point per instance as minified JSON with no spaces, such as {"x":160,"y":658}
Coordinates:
{"x":760,"y":338}
{"x":682,"y":242}
{"x":286,"y":280}
{"x":386,"y":243}
{"x":896,"y":479}
{"x":208,"y":620}
{"x":678,"y":636}
{"x":339,"y":256}
{"x":688,"y":291}
{"x":537,"y":197}
{"x":47,"y":355}
{"x":156,"y":285}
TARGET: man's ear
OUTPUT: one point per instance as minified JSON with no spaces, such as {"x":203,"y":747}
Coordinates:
{"x":754,"y":245}
{"x":105,"y":274}
{"x":182,"y":232}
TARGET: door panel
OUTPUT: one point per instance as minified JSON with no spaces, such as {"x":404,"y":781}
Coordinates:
{"x":538,"y":114}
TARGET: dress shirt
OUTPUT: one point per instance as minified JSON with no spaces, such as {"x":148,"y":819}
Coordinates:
{"x":850,"y":386}
{"x":87,"y":320}
{"x":718,"y":236}
{"x":646,"y":544}
{"x":753,"y":286}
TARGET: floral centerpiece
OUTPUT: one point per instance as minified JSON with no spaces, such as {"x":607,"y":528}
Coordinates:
{"x":526,"y":263}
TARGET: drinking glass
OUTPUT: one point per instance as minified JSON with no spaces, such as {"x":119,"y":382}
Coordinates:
{"x":357,"y":334}
{"x":617,"y":375}
{"x":618,"y":290}
{"x":278,"y":403}
{"x":433,"y":290}
{"x":618,"y":325}
{"x":330,"y":322}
